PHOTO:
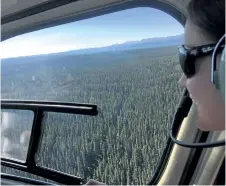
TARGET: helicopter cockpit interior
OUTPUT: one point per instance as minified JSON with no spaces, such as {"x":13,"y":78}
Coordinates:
{"x":89,"y":90}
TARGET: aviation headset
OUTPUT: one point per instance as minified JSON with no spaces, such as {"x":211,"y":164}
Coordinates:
{"x":218,"y":79}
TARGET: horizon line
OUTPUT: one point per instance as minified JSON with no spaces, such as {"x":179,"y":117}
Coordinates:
{"x":70,"y":50}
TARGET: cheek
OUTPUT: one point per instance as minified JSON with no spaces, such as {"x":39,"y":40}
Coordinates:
{"x":209,"y":103}
{"x":198,"y":87}
{"x":200,"y":84}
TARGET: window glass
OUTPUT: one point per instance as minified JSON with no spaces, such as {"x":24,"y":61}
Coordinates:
{"x":125,"y":62}
{"x":16,"y":128}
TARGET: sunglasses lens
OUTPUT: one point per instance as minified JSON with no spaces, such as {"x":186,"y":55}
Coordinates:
{"x":186,"y":65}
{"x":182,"y":58}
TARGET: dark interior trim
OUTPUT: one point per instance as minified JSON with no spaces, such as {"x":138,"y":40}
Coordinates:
{"x":167,"y":8}
{"x":51,"y":106}
{"x":47,"y":173}
{"x":220,"y":179}
{"x":23,"y":179}
{"x":42,"y":7}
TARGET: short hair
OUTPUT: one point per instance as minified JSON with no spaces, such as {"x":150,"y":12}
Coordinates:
{"x":209,"y":15}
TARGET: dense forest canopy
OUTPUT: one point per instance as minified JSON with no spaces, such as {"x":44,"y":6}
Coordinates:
{"x":136,"y":93}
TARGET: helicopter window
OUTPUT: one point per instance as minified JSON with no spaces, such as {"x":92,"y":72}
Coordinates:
{"x":15,"y":133}
{"x":126,"y":63}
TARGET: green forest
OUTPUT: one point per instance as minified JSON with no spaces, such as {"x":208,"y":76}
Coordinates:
{"x":136,"y":92}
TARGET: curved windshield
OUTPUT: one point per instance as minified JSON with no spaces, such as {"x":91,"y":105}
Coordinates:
{"x":124,"y":62}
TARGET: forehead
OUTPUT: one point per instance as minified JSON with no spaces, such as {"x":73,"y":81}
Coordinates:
{"x":195,"y":36}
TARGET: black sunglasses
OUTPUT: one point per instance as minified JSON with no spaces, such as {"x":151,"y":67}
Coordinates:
{"x":187,"y":57}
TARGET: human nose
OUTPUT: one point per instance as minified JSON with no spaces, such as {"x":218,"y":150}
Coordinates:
{"x":182,"y":81}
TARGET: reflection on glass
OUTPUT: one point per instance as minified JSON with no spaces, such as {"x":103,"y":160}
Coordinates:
{"x":15,"y":133}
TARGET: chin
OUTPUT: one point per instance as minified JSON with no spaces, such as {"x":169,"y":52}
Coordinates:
{"x":203,"y":127}
{"x":207,"y":124}
{"x":204,"y":123}
{"x":210,"y":120}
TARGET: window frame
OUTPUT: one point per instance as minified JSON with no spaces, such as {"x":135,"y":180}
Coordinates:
{"x":157,"y":4}
{"x":94,"y":12}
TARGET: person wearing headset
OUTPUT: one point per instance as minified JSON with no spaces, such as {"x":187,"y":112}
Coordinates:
{"x":204,"y":27}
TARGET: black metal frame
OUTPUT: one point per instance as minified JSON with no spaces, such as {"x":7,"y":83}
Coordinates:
{"x":50,"y":106}
{"x":39,"y":108}
{"x":51,"y":4}
{"x":23,"y":179}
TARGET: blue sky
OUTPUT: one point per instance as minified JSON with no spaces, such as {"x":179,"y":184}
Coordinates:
{"x":128,"y":25}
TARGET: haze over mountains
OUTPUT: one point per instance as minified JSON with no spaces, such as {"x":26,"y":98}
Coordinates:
{"x":131,"y":45}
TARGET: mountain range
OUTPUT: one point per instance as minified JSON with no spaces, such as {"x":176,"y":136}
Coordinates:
{"x":131,"y":45}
